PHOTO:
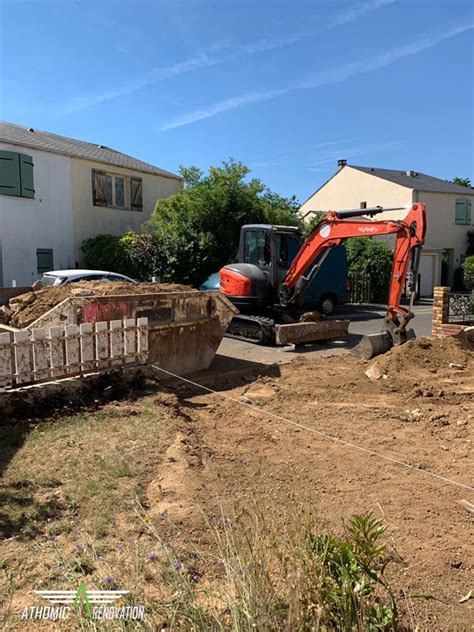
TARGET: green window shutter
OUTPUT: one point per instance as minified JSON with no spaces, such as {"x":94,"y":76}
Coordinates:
{"x":26,"y":174}
{"x":461,"y":212}
{"x":468,"y":211}
{"x":44,"y":260}
{"x":10,"y":173}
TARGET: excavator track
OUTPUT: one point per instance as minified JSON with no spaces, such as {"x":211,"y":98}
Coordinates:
{"x":257,"y":329}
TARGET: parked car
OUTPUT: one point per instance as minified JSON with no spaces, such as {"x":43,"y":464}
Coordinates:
{"x":60,"y":277}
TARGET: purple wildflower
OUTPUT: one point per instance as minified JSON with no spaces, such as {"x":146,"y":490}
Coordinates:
{"x":177,"y":565}
{"x":163,"y":514}
{"x":109,"y":579}
{"x":53,"y":538}
{"x":152,"y":556}
{"x":196,"y":578}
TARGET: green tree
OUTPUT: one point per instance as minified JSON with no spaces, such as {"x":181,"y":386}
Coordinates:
{"x":199,"y":227}
{"x":463,"y":182}
{"x":366,"y":255}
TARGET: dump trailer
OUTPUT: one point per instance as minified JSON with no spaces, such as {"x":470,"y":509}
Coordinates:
{"x":185,"y":328}
{"x":270,"y":296}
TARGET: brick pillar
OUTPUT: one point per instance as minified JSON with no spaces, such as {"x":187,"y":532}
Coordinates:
{"x":440,"y":309}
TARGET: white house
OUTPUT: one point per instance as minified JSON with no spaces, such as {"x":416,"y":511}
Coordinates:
{"x":55,"y":192}
{"x":449,"y":210}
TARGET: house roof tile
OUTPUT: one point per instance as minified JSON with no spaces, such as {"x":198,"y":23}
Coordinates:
{"x":36,"y":139}
{"x":418,"y":181}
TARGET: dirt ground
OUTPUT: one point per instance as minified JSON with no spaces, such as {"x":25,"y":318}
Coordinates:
{"x":26,"y":308}
{"x":190,"y":450}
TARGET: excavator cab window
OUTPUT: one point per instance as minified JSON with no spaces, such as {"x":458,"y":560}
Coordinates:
{"x":286,"y":247}
{"x":257,"y":248}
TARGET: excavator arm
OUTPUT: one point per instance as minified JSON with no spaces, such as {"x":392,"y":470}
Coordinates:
{"x":339,"y":226}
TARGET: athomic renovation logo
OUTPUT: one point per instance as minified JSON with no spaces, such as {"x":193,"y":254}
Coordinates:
{"x":92,"y":604}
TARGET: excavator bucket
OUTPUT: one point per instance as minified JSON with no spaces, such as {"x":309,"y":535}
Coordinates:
{"x":373,"y":345}
{"x":299,"y":333}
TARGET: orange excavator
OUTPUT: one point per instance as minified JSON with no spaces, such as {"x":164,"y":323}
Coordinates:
{"x":269,"y":299}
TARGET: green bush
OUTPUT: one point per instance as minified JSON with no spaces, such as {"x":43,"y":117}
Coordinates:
{"x":136,"y":255}
{"x":366,"y":255}
{"x":145,"y":254}
{"x":106,"y":252}
{"x":458,"y":280}
{"x":468,"y":272}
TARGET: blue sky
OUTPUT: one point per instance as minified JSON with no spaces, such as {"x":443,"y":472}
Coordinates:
{"x":285,"y":87}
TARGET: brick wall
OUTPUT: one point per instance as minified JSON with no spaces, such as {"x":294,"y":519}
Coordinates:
{"x":441,"y":325}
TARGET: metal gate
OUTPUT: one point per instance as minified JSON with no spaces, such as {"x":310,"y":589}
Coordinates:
{"x":359,"y":287}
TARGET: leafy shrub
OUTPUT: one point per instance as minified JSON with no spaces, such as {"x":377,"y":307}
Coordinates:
{"x":136,"y":255}
{"x":366,"y":255}
{"x":468,"y":272}
{"x":145,"y":254}
{"x":458,"y":280}
{"x":106,"y":252}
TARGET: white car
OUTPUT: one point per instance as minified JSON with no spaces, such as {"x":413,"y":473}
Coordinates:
{"x":60,"y":277}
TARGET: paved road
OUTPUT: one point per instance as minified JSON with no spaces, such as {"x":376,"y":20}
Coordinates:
{"x":364,"y":320}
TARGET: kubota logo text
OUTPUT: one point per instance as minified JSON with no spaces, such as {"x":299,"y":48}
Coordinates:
{"x":367,"y":229}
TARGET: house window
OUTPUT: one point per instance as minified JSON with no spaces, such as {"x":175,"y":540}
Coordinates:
{"x":44,"y":260}
{"x":463,"y":211}
{"x":115,"y":191}
{"x":119,"y":191}
{"x":16,"y":174}
{"x":363,"y":205}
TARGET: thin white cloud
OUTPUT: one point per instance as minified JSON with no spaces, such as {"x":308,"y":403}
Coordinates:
{"x":203,"y":58}
{"x":358,"y":10}
{"x":325,"y":77}
{"x":355,"y":152}
{"x":298,"y":150}
{"x":200,"y":60}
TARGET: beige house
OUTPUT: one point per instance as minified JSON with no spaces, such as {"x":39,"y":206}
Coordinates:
{"x":449,"y":210}
{"x":56,"y":191}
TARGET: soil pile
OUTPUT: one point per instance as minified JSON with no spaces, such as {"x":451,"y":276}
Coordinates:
{"x":26,"y":308}
{"x":426,"y":359}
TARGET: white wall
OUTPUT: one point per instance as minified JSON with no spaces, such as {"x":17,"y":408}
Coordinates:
{"x":90,"y":220}
{"x":349,"y":187}
{"x":43,"y":222}
{"x":442,"y":230}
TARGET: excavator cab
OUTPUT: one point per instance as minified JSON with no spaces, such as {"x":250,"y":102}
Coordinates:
{"x":265,"y":255}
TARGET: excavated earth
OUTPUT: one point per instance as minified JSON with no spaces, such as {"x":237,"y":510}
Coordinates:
{"x":26,"y":308}
{"x":420,"y":414}
{"x":318,"y":434}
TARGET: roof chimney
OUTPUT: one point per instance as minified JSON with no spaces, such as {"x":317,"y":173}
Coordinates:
{"x":30,"y":129}
{"x":410,"y":174}
{"x":341,"y":163}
